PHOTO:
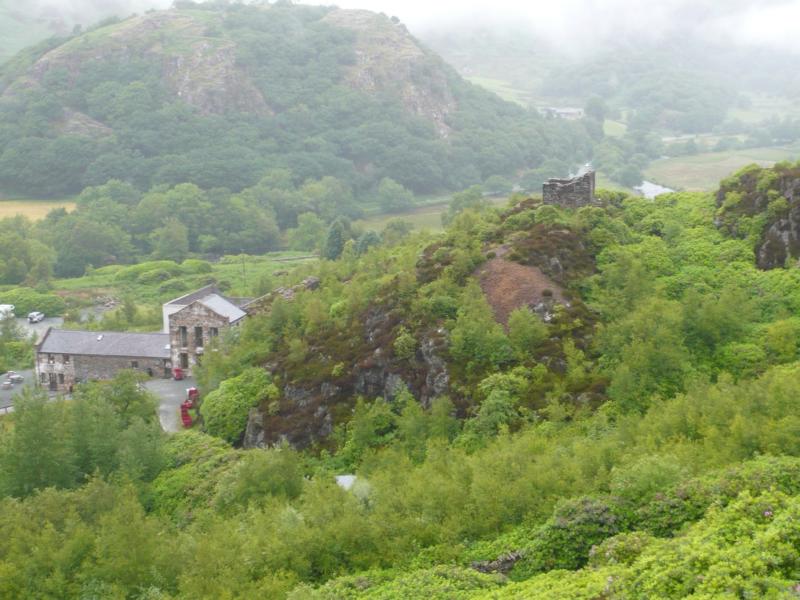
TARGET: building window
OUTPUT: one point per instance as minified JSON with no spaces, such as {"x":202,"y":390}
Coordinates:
{"x":183,"y":335}
{"x":213,"y":332}
{"x":43,"y":377}
{"x":134,"y":364}
{"x":184,"y":360}
{"x":61,"y":378}
{"x":51,"y":359}
{"x":66,"y":359}
{"x":198,"y":337}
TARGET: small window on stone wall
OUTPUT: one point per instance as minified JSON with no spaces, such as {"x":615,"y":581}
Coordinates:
{"x":213,"y":332}
{"x":66,"y":359}
{"x":134,"y":364}
{"x":198,"y":337}
{"x":51,"y":359}
{"x":43,"y":377}
{"x":183,"y":335}
{"x":60,"y":378}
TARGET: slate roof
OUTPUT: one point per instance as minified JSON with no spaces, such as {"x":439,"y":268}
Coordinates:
{"x":222,"y":306}
{"x":105,"y":343}
{"x":212,"y":298}
{"x":196,"y":295}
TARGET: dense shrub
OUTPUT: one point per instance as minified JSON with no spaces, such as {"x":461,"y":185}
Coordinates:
{"x":27,"y":300}
{"x":225,"y":409}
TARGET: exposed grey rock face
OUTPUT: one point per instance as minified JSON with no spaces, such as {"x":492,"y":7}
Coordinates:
{"x":502,"y":564}
{"x":254,"y":435}
{"x":296,"y":395}
{"x":309,"y":410}
{"x":388,"y":59}
{"x":782,"y":238}
{"x":437,"y":379}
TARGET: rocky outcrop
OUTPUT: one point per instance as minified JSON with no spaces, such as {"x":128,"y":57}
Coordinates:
{"x":208,"y":78}
{"x":390,"y":60}
{"x":200,"y":70}
{"x":502,"y":564}
{"x":772,"y":196}
{"x":254,"y":435}
{"x":781,"y":240}
{"x":310,"y":407}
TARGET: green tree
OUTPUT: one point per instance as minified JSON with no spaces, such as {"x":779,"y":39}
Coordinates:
{"x":393,"y":197}
{"x":338,"y":234}
{"x":36,"y":454}
{"x":526,"y":331}
{"x":171,"y":242}
{"x":309,"y":233}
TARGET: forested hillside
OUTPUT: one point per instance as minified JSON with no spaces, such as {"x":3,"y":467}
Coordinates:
{"x":538,"y":403}
{"x":217,"y":94}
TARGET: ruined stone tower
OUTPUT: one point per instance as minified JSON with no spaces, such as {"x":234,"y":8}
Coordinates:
{"x":570,"y":193}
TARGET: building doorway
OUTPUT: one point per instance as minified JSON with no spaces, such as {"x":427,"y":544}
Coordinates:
{"x":53,"y":382}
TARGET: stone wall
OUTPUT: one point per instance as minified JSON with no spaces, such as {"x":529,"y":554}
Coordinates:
{"x":570,"y":193}
{"x":67,"y":370}
{"x":190,"y":317}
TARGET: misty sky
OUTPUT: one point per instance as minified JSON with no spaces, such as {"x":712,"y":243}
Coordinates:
{"x":582,"y":24}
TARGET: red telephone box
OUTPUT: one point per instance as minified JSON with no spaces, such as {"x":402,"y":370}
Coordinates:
{"x":186,"y":418}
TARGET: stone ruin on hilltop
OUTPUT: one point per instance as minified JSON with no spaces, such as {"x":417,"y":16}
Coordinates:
{"x":570,"y":193}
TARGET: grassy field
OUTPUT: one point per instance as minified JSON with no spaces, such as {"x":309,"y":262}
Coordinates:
{"x":422,"y":217}
{"x":238,"y":275}
{"x":602,"y":182}
{"x":703,"y":172}
{"x":765,"y":106}
{"x":614,"y":128}
{"x":33,"y":209}
{"x":503,"y":89}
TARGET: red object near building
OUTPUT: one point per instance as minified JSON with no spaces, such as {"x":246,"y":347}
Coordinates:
{"x":177,"y":374}
{"x":192,"y":394}
{"x":186,"y":418}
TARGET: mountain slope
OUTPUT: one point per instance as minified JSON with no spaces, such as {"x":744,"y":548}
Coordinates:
{"x":218,"y":95}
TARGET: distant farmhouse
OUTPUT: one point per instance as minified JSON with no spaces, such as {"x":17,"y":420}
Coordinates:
{"x":554,"y":112}
{"x":65,"y":358}
{"x":570,"y":193}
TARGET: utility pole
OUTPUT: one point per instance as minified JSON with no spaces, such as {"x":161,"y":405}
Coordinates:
{"x":244,"y":273}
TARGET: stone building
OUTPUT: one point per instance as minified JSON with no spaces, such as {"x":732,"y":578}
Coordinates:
{"x":192,"y":321}
{"x":65,"y":357}
{"x":570,"y":193}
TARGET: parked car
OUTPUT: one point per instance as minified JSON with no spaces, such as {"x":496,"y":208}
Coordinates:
{"x":5,"y":384}
{"x":15,"y":377}
{"x":35,"y":317}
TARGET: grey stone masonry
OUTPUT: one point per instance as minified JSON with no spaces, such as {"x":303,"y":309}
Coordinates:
{"x":190,"y":331}
{"x":570,"y":193}
{"x":60,"y":372}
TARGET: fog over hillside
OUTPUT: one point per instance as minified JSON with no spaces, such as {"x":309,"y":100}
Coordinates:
{"x":577,"y":25}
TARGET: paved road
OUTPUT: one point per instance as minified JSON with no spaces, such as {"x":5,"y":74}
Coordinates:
{"x":171,"y":394}
{"x":40,"y":327}
{"x":6,"y":396}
